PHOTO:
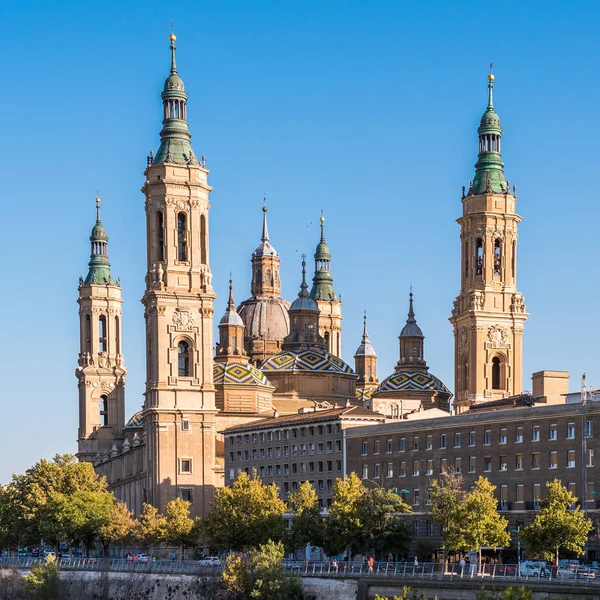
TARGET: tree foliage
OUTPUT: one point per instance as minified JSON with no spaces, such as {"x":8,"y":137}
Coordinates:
{"x":149,"y":528}
{"x":469,"y":518}
{"x":245,"y":515}
{"x":364,"y":519}
{"x":179,"y":528}
{"x":259,"y":575}
{"x":556,"y":527}
{"x":307,"y":526}
{"x":42,"y":582}
{"x":120,"y":528}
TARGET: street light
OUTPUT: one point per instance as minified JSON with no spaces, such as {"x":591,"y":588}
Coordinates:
{"x":518,"y":532}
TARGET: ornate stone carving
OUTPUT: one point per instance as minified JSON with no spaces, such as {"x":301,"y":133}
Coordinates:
{"x":498,"y":336}
{"x":463,"y":340}
{"x":477,"y":301}
{"x":517,"y":303}
{"x":183,"y":319}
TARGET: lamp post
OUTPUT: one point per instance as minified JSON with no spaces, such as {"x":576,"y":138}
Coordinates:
{"x":518,"y":532}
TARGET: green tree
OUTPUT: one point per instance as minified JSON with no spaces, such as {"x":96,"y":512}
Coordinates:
{"x":180,"y":529}
{"x":245,"y":515}
{"x":307,"y":526}
{"x":469,"y":519}
{"x":120,"y":528}
{"x":42,"y":582}
{"x":556,"y":526}
{"x":259,"y":575}
{"x":149,"y":528}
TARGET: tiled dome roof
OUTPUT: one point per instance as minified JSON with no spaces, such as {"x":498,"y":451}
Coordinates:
{"x":306,"y":360}
{"x":412,"y":381}
{"x":136,"y":421}
{"x":238,"y":374}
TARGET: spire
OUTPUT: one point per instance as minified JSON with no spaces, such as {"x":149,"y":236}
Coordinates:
{"x":175,"y":145}
{"x":489,"y":169}
{"x":99,"y":272}
{"x":303,"y":287}
{"x":231,"y":302}
{"x":265,"y":229}
{"x":365,"y":348}
{"x":304,"y":301}
{"x":322,"y":288}
{"x":411,"y":343}
{"x":231,"y":316}
{"x":411,"y":329}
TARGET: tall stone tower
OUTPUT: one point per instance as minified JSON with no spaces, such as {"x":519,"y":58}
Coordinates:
{"x":489,"y":313}
{"x":100,"y":371}
{"x":179,"y":408}
{"x":365,"y":365}
{"x":322,"y":292}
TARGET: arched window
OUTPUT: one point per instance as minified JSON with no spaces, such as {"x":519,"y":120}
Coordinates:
{"x":479,"y":257}
{"x":497,"y":256}
{"x":268,"y":275}
{"x":88,"y":333}
{"x":514,"y":258}
{"x":495,"y":373}
{"x":307,"y":332}
{"x":203,"y":259}
{"x":104,"y":410}
{"x":181,"y":237}
{"x":326,"y":336}
{"x":160,"y":233}
{"x":466,"y":259}
{"x":259,"y":280}
{"x":234,"y":349}
{"x":117,"y":336}
{"x":102,"y":347}
{"x":183,"y":359}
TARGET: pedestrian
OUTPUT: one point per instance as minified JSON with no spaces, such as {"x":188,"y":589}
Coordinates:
{"x":173,"y":555}
{"x":463,"y":563}
{"x":334,"y":564}
{"x":371,"y":562}
{"x":416,"y":561}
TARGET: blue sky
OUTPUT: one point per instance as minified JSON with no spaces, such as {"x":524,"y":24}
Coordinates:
{"x":367,"y":109}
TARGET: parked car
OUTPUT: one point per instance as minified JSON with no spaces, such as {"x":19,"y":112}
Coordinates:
{"x":144,"y":558}
{"x":530,"y":568}
{"x":210,"y":561}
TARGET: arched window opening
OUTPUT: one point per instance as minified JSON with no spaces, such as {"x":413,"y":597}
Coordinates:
{"x":307,"y":332}
{"x":183,"y":356}
{"x":268,"y":276}
{"x":497,"y":256}
{"x":259,"y":280}
{"x":466,"y":259}
{"x":369,"y":373}
{"x":88,"y":333}
{"x":514,"y":258}
{"x":203,"y":258}
{"x":117,"y":336}
{"x":465,"y":376}
{"x":104,"y":410}
{"x":326,"y":336}
{"x":234,"y":349}
{"x":160,"y":233}
{"x":102,"y":347}
{"x":495,"y":373}
{"x":479,"y":257}
{"x":182,"y":237}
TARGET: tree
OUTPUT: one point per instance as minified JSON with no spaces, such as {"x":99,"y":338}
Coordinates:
{"x":556,"y":527}
{"x":120,"y":528}
{"x":469,"y":519}
{"x":180,"y":529}
{"x":245,"y":515}
{"x":307,"y":526}
{"x":149,"y":528}
{"x":260,"y":575}
{"x":42,"y":582}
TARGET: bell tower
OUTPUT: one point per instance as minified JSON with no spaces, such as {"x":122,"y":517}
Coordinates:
{"x":100,"y":371}
{"x":179,"y":407}
{"x":489,"y":313}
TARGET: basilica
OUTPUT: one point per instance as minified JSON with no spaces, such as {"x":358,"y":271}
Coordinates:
{"x":274,"y":358}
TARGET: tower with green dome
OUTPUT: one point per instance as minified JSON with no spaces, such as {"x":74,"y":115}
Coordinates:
{"x":178,"y":309}
{"x":489,"y":313}
{"x":100,"y":367}
{"x":322,"y":292}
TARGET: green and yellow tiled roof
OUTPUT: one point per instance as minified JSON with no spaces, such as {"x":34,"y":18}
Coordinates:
{"x":238,"y":374}
{"x":306,"y":360}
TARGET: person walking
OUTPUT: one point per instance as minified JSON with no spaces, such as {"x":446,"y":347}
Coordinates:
{"x":371,"y":562}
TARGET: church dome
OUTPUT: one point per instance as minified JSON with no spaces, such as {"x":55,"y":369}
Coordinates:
{"x":412,"y":381}
{"x":306,"y":361}
{"x":265,"y":249}
{"x":136,"y":421}
{"x":238,"y":374}
{"x":265,"y":318}
{"x":411,"y":330}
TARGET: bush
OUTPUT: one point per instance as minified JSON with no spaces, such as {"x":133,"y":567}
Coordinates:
{"x":43,"y":581}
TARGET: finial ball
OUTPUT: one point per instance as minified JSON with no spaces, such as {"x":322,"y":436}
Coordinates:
{"x":97,"y":200}
{"x":172,"y":37}
{"x":322,"y":219}
{"x":491,"y":77}
{"x":264,"y":209}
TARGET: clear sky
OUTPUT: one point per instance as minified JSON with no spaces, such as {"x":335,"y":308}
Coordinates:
{"x":366,"y":109}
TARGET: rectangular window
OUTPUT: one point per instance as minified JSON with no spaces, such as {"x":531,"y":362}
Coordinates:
{"x":389,"y":446}
{"x":311,"y":448}
{"x":270,"y":470}
{"x":590,"y":491}
{"x":416,"y":528}
{"x":239,"y":456}
{"x":402,"y":445}
{"x":519,"y":435}
{"x":269,"y":452}
{"x":294,"y":468}
{"x":320,"y":466}
{"x":262,"y":436}
{"x":261,"y":471}
{"x":376,"y":444}
{"x":365,"y":448}
{"x":231,"y":457}
{"x":231,"y":473}
{"x":261,"y":451}
{"x":429,"y":442}
{"x":286,"y":450}
{"x":487,"y":463}
{"x":185,"y":465}
{"x":429,"y":528}
{"x":429,"y":467}
{"x":590,"y":457}
{"x":553,"y":435}
{"x":269,"y":436}
{"x":338,"y":445}
{"x":320,"y":447}
{"x":186,"y":495}
{"x":329,"y":447}
{"x":503,"y":436}
{"x":277,"y":451}
{"x":311,"y":467}
{"x":303,"y":449}
{"x":330,"y":484}
{"x":520,"y":497}
{"x":457,"y":440}
{"x":278,"y":470}
{"x":338,"y":465}
{"x":416,"y":466}
{"x":278,"y":434}
{"x":457,"y":465}
{"x":416,"y":498}
{"x":518,"y":462}
{"x":443,"y":441}
{"x":286,"y":469}
{"x":589,"y":429}
{"x":390,"y":470}
{"x":246,"y":454}
{"x":571,"y":431}
{"x":571,"y":459}
{"x":376,"y":471}
{"x":415,"y":442}
{"x":303,"y":468}
{"x":553,"y":464}
{"x":402,"y":471}
{"x":185,"y":425}
{"x":294,"y":449}
{"x":535,"y":433}
{"x":286,"y":434}
{"x":472,"y":464}
{"x":537,"y":494}
{"x":329,"y":466}
{"x":504,"y":496}
{"x":254,"y":454}
{"x":503,"y":466}
{"x":472,"y":438}
{"x":254,"y":438}
{"x":535,"y":460}
{"x":321,"y":485}
{"x":487,"y":437}
{"x":443,"y":465}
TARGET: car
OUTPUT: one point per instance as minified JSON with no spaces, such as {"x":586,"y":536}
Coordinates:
{"x":143,"y":558}
{"x":534,"y":569}
{"x":210,"y":561}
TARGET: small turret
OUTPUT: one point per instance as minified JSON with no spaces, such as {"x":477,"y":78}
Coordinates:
{"x":231,"y":333}
{"x":99,"y":271}
{"x":365,"y":360}
{"x":322,"y":288}
{"x":411,"y":343}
